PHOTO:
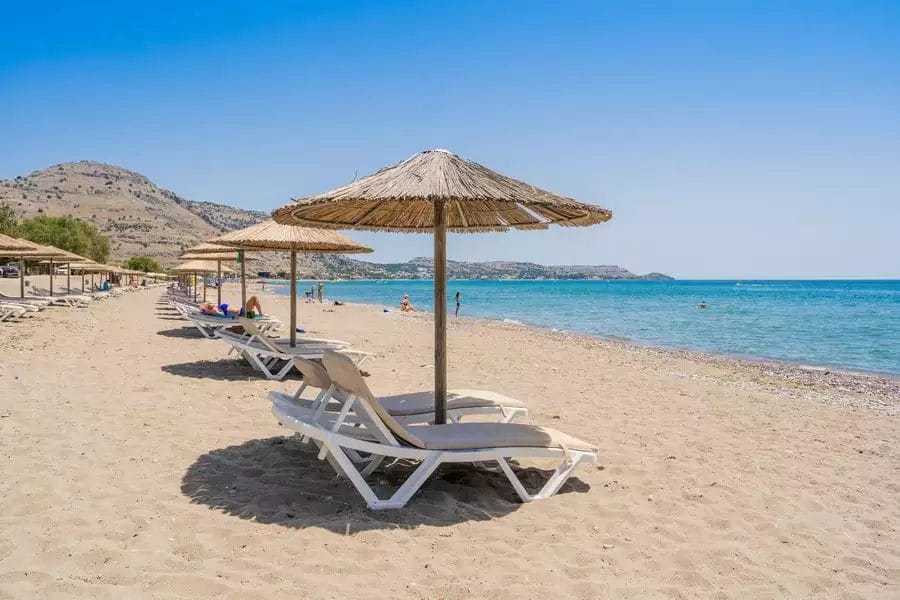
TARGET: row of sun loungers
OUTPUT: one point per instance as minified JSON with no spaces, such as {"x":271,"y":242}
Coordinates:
{"x":358,"y":433}
{"x":14,"y":308}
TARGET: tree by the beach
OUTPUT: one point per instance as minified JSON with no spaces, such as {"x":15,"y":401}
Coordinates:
{"x":144,"y":264}
{"x":67,"y":233}
{"x":9,"y":223}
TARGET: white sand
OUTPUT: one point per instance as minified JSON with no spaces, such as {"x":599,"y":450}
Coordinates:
{"x":137,"y":461}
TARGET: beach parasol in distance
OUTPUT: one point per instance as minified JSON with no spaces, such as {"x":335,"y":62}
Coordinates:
{"x":206,"y":251}
{"x":34,"y":252}
{"x":201,"y":266}
{"x":271,"y":236}
{"x":437,"y":191}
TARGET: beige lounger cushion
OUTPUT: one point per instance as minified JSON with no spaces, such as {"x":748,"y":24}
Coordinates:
{"x":468,"y":436}
{"x":418,"y":403}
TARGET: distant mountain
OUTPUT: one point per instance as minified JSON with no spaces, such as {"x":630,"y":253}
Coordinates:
{"x":143,"y":219}
{"x":423,"y":268}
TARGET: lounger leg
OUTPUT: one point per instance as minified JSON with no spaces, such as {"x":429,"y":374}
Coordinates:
{"x":400,"y":497}
{"x":551,"y":486}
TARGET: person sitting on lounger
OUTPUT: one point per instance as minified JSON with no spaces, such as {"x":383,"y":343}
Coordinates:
{"x":251,"y":309}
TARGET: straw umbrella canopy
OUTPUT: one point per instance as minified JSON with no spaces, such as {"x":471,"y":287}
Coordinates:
{"x":207,"y":251}
{"x":35,"y":252}
{"x":68,"y":258}
{"x":200,"y":266}
{"x":437,"y":191}
{"x":10,"y":243}
{"x":272,"y":236}
{"x":16,"y":248}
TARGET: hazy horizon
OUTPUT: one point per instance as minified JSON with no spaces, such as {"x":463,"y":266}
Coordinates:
{"x":730,"y":141}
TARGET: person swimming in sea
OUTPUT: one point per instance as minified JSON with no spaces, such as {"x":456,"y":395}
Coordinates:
{"x":251,"y":309}
{"x":405,"y":305}
{"x":703,"y":304}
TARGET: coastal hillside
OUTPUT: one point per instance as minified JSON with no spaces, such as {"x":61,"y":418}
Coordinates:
{"x":144,"y":219}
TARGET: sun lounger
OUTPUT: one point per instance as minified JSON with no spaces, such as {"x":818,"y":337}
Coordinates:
{"x":430,"y":445}
{"x":207,"y":325}
{"x":417,"y":407}
{"x":11,"y":311}
{"x":275,"y":358}
{"x":72,"y":300}
{"x":31,"y":300}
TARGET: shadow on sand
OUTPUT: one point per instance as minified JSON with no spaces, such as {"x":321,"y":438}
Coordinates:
{"x":185,"y":333}
{"x":280,"y":481}
{"x":224,"y":369}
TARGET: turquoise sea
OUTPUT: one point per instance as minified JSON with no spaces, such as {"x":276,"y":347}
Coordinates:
{"x":846,"y":324}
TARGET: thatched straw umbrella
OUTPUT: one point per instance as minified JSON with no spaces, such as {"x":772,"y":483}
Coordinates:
{"x":436,"y":191}
{"x":270,"y":236}
{"x":64,"y":256}
{"x":199,"y":266}
{"x":207,"y":251}
{"x":11,"y":247}
{"x":37,"y":252}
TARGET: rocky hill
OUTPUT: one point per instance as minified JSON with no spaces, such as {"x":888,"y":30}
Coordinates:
{"x":143,"y":219}
{"x":423,"y":268}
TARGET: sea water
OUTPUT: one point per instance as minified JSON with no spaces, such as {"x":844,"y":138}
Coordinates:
{"x":846,"y":324}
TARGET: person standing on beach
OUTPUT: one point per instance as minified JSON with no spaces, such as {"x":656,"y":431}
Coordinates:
{"x":458,"y":303}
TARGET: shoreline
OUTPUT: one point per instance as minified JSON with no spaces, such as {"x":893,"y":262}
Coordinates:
{"x":838,"y":378}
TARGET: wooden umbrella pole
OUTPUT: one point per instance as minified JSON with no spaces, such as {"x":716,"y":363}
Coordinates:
{"x":82,"y":282}
{"x":22,"y":277}
{"x":293,"y":298}
{"x":204,"y":287}
{"x":243,"y":280}
{"x":92,"y":282}
{"x":51,"y":276}
{"x":219,"y":282}
{"x":68,"y":278}
{"x":440,"y":312}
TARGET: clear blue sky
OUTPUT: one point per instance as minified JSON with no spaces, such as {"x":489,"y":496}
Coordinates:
{"x":744,"y":139}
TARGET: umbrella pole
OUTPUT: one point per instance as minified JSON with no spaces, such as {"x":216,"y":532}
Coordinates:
{"x":293,"y":298}
{"x":92,"y":282}
{"x":22,"y":277}
{"x":204,"y":287}
{"x":51,"y":277}
{"x":82,"y":282}
{"x":68,"y":278}
{"x":440,"y":313}
{"x":243,"y":280}
{"x":219,"y":282}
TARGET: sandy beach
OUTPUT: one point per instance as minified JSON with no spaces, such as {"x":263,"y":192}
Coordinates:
{"x":139,"y":461}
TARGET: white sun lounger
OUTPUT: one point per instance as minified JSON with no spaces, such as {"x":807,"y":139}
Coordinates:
{"x":385,"y":437}
{"x":417,"y":407}
{"x":208,"y":325}
{"x":72,"y":300}
{"x":33,"y":300}
{"x":274,"y":358}
{"x":12,"y":311}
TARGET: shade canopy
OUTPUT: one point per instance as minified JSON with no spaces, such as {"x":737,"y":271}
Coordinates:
{"x":93,"y":267}
{"x":231,"y":255}
{"x":271,"y":236}
{"x":207,"y":248}
{"x":437,"y":191}
{"x":402,"y":198}
{"x":199,"y":266}
{"x":15,"y":244}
